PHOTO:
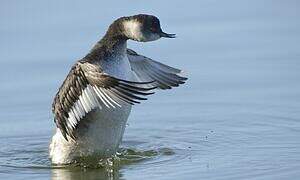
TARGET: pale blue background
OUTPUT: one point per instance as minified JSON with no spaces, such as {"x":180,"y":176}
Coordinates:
{"x":237,"y":117}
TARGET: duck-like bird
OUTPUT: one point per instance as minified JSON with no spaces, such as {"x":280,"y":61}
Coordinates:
{"x":92,"y":105}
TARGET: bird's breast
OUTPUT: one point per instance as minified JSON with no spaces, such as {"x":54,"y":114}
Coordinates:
{"x":105,"y":127}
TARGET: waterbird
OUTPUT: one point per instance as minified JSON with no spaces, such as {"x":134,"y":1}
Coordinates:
{"x":93,"y":103}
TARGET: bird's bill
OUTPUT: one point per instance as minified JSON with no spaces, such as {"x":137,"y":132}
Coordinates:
{"x":166,"y":35}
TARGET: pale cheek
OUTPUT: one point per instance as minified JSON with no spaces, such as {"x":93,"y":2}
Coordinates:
{"x":133,"y":30}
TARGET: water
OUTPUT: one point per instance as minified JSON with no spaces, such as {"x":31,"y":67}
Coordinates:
{"x":237,"y":117}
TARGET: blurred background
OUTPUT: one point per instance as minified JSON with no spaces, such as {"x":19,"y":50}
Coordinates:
{"x":237,"y":117}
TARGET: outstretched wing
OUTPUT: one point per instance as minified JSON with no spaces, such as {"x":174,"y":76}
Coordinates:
{"x":85,"y":88}
{"x":146,"y":69}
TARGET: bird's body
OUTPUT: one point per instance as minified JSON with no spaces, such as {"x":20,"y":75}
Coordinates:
{"x":104,"y":127}
{"x":92,"y":106}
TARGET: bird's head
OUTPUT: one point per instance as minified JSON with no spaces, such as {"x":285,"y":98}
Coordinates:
{"x":143,"y":28}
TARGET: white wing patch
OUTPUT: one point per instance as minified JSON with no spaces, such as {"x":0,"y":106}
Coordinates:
{"x":109,"y":100}
{"x":91,"y":98}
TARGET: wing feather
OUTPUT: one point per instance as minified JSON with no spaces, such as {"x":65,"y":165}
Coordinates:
{"x":146,"y":69}
{"x":85,"y":88}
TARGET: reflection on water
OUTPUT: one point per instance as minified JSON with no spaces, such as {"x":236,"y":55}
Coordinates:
{"x":88,"y":174}
{"x":237,"y":117}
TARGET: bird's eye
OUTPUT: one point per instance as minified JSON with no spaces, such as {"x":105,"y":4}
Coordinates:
{"x":153,"y":29}
{"x":154,"y":23}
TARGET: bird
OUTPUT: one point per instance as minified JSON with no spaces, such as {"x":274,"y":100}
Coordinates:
{"x":93,"y":103}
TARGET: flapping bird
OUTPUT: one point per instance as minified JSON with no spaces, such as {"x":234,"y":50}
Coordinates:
{"x":92,"y":105}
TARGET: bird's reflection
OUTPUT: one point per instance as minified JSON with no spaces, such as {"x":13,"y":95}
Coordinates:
{"x":85,"y":174}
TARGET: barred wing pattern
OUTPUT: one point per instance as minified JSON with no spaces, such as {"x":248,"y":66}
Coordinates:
{"x":83,"y":90}
{"x":146,"y":69}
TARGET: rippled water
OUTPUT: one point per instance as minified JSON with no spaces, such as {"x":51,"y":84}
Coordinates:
{"x":237,"y":117}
